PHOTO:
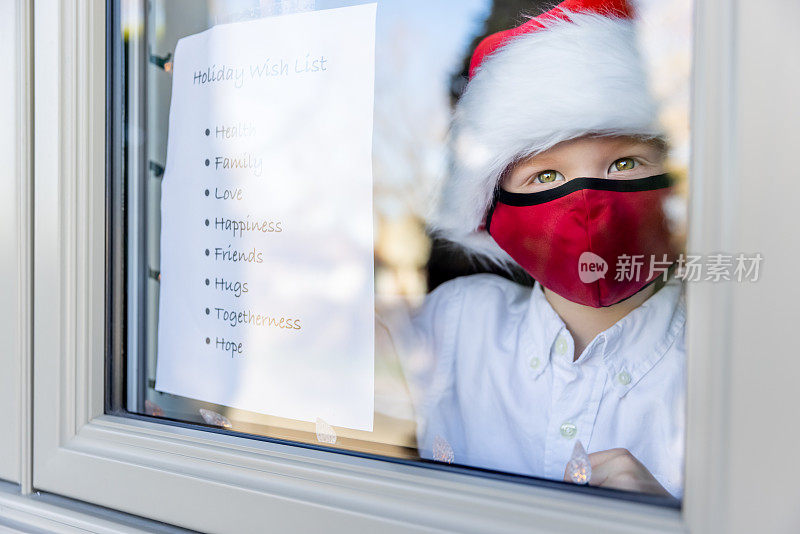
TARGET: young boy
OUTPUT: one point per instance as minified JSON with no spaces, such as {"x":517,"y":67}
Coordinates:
{"x":558,"y":168}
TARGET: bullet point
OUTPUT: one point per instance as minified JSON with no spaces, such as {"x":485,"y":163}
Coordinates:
{"x":208,"y":252}
{"x":207,"y":223}
{"x":208,"y":282}
{"x":208,"y":311}
{"x":208,"y":132}
{"x":207,"y":192}
{"x":207,"y":163}
{"x":208,"y":341}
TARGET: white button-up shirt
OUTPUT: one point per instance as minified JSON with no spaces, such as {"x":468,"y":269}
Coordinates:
{"x":496,"y":385}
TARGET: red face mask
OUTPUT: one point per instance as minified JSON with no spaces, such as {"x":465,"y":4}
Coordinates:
{"x":594,"y":241}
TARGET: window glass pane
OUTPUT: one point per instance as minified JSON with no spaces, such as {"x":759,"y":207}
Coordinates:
{"x":368,"y":227}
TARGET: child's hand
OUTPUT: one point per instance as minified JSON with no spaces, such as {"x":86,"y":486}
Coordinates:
{"x":619,"y":469}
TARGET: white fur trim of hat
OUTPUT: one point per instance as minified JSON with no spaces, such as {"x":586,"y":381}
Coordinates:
{"x":574,"y":77}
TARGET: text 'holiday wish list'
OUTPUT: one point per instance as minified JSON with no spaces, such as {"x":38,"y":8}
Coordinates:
{"x":266,"y":297}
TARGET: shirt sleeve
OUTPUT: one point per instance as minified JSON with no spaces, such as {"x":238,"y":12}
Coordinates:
{"x":424,"y":341}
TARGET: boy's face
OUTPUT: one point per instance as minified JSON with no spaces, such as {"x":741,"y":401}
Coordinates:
{"x":620,"y":158}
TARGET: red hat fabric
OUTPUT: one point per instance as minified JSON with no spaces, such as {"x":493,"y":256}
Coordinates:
{"x":614,"y":8}
{"x":572,"y":71}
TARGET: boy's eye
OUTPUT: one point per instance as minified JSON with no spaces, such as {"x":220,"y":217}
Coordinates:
{"x":546,"y":177}
{"x":623,"y":164}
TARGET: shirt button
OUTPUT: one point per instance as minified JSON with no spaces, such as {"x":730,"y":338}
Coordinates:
{"x":624,"y":378}
{"x":534,"y":363}
{"x":561,"y":345}
{"x":568,"y":430}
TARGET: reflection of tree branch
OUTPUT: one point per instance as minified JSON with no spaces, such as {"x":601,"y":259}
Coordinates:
{"x":412,"y":115}
{"x":410,"y":126}
{"x":505,"y":14}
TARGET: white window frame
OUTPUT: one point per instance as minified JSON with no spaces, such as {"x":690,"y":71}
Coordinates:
{"x":220,"y":483}
{"x":16,"y":212}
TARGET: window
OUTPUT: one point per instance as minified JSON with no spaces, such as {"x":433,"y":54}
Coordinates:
{"x":163,"y":470}
{"x":250,"y":241}
{"x":15,"y":265}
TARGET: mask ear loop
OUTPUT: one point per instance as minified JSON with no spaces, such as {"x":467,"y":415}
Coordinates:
{"x":496,"y":196}
{"x":495,"y":200}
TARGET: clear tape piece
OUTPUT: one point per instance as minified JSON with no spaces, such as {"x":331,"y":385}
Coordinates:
{"x":442,"y":451}
{"x":579,"y":468}
{"x":325,"y":432}
{"x":214,"y":418}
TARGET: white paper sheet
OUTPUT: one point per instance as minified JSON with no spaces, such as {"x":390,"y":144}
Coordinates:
{"x":266,"y":294}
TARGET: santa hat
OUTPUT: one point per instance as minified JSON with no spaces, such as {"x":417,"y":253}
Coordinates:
{"x":572,"y":71}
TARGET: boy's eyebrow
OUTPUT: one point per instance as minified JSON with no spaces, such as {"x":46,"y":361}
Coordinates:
{"x":546,"y":160}
{"x":655,"y":143}
{"x":537,"y":160}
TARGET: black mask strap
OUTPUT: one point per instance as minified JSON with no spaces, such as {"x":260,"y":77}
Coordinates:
{"x":651,"y":183}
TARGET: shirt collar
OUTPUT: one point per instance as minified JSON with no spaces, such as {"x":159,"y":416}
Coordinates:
{"x":542,"y":326}
{"x":628,"y":349}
